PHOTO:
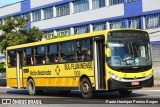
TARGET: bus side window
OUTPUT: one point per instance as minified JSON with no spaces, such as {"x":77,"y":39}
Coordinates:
{"x":12,"y":59}
{"x":40,"y":53}
{"x":28,"y":58}
{"x":24,"y":57}
{"x":52,"y":53}
{"x":68,"y":54}
{"x":84,"y":50}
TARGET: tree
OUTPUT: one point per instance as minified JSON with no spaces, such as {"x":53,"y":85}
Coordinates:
{"x":14,"y":32}
{"x":34,"y":35}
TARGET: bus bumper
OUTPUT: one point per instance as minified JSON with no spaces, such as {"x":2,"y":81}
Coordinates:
{"x":117,"y":85}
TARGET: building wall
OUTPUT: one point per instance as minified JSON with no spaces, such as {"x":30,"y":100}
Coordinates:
{"x":81,"y":17}
{"x":38,"y":3}
{"x":154,"y":34}
{"x":10,"y":9}
{"x":124,"y":11}
{"x":150,"y":5}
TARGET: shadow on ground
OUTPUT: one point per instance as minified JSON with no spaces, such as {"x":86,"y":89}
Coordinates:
{"x":75,"y":94}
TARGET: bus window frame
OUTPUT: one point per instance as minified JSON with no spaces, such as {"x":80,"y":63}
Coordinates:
{"x":58,"y":43}
{"x":47,"y":52}
{"x":34,"y":54}
{"x":31,"y":56}
{"x":8,"y":58}
{"x":91,"y":49}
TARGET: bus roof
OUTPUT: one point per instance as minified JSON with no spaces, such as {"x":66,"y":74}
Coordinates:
{"x":78,"y":36}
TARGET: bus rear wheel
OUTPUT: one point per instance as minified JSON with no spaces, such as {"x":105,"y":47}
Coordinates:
{"x":125,"y":93}
{"x":31,"y":87}
{"x":86,"y":88}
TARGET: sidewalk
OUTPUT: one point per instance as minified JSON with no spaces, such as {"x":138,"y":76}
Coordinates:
{"x":157,"y":82}
{"x":151,"y":88}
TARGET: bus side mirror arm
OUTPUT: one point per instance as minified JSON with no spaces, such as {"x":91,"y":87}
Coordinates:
{"x":108,"y":52}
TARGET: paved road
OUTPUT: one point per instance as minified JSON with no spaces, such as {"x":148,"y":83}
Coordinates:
{"x":75,"y":98}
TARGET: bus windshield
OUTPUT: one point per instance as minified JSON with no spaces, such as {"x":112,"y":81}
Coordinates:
{"x":128,"y":50}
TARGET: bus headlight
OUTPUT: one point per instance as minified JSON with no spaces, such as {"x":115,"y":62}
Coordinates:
{"x":149,"y":76}
{"x":115,"y":77}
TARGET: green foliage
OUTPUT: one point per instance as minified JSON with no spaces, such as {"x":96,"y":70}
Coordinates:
{"x":2,"y":67}
{"x":12,"y":39}
{"x":15,"y":32}
{"x":58,"y":36}
{"x":34,"y":35}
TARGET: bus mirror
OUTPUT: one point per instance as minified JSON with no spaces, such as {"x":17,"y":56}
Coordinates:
{"x":108,"y":52}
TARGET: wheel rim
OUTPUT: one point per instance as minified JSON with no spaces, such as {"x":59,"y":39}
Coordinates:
{"x":85,"y":88}
{"x":31,"y":88}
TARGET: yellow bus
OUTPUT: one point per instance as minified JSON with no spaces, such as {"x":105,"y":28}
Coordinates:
{"x":109,"y":60}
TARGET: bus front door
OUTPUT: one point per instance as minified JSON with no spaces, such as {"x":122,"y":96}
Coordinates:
{"x":99,"y":63}
{"x":19,"y":56}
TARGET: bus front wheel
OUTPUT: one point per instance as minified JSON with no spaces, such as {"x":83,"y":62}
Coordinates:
{"x":31,"y":87}
{"x":86,"y":88}
{"x":125,"y":93}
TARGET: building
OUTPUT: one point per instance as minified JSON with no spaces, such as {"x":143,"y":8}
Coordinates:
{"x":55,"y":17}
{"x":2,"y":58}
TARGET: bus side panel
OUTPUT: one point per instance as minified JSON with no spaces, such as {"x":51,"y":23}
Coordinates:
{"x":57,"y":75}
{"x":26,"y":74}
{"x":11,"y":77}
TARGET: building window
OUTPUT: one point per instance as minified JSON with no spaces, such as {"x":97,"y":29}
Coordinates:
{"x":98,"y":3}
{"x":152,"y":21}
{"x":36,"y":15}
{"x":17,"y":16}
{"x":116,"y":24}
{"x":49,"y":34}
{"x":99,"y":26}
{"x":80,"y":5}
{"x":62,"y":9}
{"x":26,"y":15}
{"x":65,"y":31}
{"x":134,"y":23}
{"x":48,"y":13}
{"x":131,"y":0}
{"x":114,"y":2}
{"x":81,"y":29}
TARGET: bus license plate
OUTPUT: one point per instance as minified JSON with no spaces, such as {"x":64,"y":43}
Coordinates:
{"x":135,"y":83}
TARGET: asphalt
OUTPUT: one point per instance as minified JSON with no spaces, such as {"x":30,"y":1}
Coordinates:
{"x":74,"y":98}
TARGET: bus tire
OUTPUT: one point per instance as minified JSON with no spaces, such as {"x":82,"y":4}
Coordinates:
{"x":86,"y":88}
{"x":125,"y":93}
{"x":31,"y":87}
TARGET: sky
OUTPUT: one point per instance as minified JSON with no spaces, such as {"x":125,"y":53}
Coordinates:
{"x":5,"y":2}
